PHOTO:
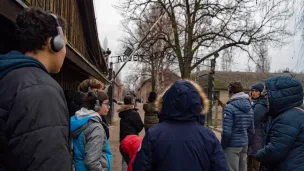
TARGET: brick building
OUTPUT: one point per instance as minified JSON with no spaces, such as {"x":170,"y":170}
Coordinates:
{"x":146,"y":87}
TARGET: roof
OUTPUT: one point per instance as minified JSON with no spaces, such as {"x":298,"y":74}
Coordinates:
{"x":247,"y":79}
{"x":87,"y":14}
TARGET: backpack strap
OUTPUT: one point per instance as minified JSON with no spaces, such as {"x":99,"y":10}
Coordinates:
{"x":79,"y":130}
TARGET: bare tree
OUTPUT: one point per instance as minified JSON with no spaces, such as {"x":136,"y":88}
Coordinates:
{"x":215,"y":25}
{"x":263,"y":62}
{"x":227,"y":59}
{"x":155,"y":53}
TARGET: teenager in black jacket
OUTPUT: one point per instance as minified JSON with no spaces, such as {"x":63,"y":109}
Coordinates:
{"x":34,"y":121}
{"x":130,"y":122}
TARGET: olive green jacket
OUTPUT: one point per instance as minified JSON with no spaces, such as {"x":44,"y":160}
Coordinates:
{"x":151,"y":115}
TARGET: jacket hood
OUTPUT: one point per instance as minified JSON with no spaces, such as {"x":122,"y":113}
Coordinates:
{"x":130,"y":144}
{"x":241,"y":101}
{"x":283,"y":93}
{"x":81,"y":117}
{"x":184,"y":100}
{"x":125,"y":108}
{"x":15,"y":60}
{"x":84,"y":112}
{"x":78,"y":123}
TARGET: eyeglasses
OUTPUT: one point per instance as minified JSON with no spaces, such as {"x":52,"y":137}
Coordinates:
{"x":108,"y":104}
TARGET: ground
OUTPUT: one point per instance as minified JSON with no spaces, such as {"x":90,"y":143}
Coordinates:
{"x":114,"y":137}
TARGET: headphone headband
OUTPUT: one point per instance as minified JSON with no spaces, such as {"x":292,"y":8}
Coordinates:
{"x":97,"y":103}
{"x":57,"y":42}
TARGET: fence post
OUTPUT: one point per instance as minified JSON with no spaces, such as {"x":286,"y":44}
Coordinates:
{"x":216,"y":113}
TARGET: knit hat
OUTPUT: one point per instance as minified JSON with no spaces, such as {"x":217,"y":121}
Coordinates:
{"x":259,"y":87}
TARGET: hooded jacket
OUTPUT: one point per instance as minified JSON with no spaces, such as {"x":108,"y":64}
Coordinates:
{"x":90,"y":144}
{"x":34,"y":121}
{"x":179,"y":142}
{"x":238,"y":124}
{"x":130,"y":121}
{"x":260,"y":110}
{"x":284,"y":140}
{"x":151,"y":115}
{"x":129,"y":146}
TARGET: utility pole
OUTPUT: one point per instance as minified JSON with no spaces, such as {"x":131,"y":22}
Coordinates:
{"x":211,"y":89}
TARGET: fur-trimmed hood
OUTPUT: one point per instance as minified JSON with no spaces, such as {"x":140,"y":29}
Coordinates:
{"x":184,"y":100}
{"x":125,"y":108}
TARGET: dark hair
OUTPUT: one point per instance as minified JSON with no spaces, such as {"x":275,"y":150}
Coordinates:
{"x":235,"y":87}
{"x":93,"y":83}
{"x":90,"y":98}
{"x":128,"y":100}
{"x":152,"y":97}
{"x":33,"y":28}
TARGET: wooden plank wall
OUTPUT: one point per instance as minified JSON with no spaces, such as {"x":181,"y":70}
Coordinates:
{"x":68,"y":9}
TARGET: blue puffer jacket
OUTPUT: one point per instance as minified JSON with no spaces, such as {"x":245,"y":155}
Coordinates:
{"x":238,"y":124}
{"x":284,"y":150}
{"x":179,"y":142}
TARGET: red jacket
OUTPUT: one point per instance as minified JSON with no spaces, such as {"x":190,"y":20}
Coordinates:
{"x":129,"y":146}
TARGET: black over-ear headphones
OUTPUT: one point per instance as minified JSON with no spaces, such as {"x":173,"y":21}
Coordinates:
{"x":97,"y":103}
{"x":57,"y":42}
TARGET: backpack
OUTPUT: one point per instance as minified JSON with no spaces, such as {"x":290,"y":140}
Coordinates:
{"x":79,"y":132}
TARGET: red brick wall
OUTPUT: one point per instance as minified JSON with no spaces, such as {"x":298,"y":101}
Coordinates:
{"x":146,"y":88}
{"x":118,"y":92}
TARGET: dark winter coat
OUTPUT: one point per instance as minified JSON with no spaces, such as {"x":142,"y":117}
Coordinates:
{"x":34,"y":119}
{"x":179,"y":142}
{"x":151,"y":115}
{"x":259,"y":110}
{"x":284,"y":150}
{"x":238,"y":124}
{"x":130,"y":121}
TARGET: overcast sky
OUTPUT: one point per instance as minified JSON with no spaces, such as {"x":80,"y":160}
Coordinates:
{"x":108,"y":24}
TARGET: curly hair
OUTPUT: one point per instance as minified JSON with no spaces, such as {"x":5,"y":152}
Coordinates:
{"x":94,"y":84}
{"x":33,"y":28}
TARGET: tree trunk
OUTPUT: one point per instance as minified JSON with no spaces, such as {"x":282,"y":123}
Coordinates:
{"x":153,"y":76}
{"x":185,"y":71}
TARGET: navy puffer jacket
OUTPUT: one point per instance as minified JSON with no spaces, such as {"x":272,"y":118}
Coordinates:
{"x":179,"y":142}
{"x":238,"y":124}
{"x":284,"y":150}
{"x":259,"y":109}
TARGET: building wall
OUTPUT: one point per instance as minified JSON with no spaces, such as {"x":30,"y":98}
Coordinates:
{"x":118,"y":92}
{"x":146,"y":88}
{"x":144,"y":91}
{"x":69,"y":10}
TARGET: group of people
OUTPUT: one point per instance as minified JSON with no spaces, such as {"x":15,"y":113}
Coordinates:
{"x":265,"y":131}
{"x":39,"y":131}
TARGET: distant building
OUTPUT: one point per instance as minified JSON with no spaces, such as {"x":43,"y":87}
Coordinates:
{"x":146,"y":87}
{"x":247,"y":79}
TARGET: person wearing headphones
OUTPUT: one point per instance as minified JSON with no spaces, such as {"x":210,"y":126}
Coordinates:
{"x":34,"y":120}
{"x":89,"y":136}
